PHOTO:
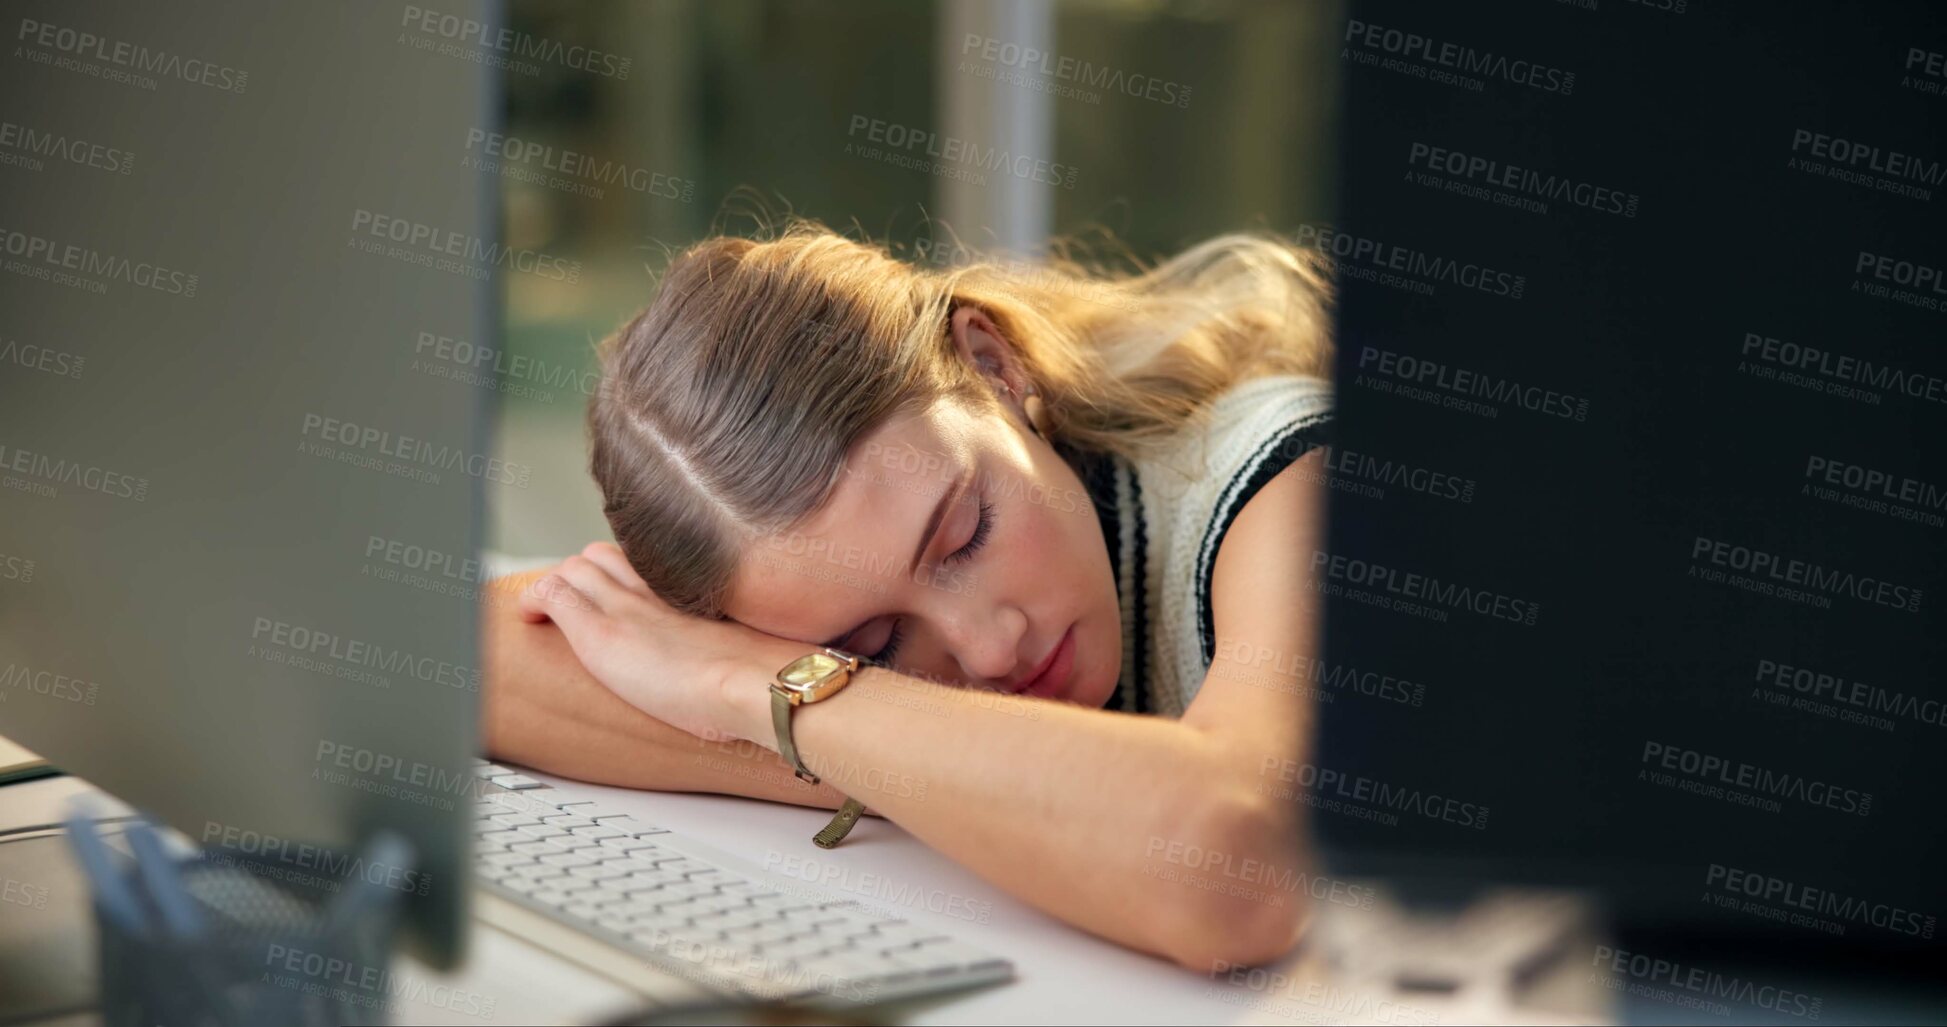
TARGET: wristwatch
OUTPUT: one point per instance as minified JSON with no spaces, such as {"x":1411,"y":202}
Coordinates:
{"x":811,"y":678}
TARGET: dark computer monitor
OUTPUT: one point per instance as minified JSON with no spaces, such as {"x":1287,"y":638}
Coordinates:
{"x":1639,"y":497}
{"x":244,"y":493}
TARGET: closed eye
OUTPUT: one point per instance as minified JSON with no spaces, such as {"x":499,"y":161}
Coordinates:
{"x":891,"y":649}
{"x":982,"y":529}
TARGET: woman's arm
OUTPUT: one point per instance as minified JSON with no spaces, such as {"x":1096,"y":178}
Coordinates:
{"x":1074,"y":810}
{"x":544,"y":710}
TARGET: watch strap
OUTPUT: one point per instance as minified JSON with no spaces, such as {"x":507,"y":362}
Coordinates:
{"x":841,"y":824}
{"x":787,"y":746}
{"x":782,"y":702}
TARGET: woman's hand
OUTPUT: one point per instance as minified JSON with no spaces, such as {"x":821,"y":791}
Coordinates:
{"x":670,"y":665}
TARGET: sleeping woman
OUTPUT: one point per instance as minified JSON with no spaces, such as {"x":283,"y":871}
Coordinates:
{"x":1017,"y":559}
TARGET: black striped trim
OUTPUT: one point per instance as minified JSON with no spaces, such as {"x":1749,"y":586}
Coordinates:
{"x":1275,"y":454}
{"x":1104,"y":476}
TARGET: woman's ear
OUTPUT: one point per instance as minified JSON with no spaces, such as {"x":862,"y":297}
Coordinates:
{"x":980,"y":343}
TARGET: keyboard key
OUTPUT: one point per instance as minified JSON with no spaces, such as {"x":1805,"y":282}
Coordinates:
{"x":597,"y":832}
{"x":517,"y":782}
{"x":624,"y":822}
{"x":800,"y":948}
{"x":564,"y":860}
{"x":597,"y":872}
{"x":901,"y":934}
{"x":541,"y":832}
{"x":739,"y":921}
{"x":950,"y":953}
{"x":714,"y":906}
{"x":773,"y":933}
{"x":629,"y":845}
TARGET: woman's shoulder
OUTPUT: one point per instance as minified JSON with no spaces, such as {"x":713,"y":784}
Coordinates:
{"x":1250,"y":431}
{"x":1178,"y":502}
{"x":1257,"y":430}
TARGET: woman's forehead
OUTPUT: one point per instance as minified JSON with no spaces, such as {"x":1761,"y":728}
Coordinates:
{"x":910,"y":451}
{"x":851,"y":556}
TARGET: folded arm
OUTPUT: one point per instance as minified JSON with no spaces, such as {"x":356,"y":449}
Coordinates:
{"x":544,"y":710}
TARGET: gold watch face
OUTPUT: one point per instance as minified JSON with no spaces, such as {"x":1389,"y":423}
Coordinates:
{"x":810,"y":669}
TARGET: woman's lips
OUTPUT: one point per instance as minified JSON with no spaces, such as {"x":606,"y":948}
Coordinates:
{"x":1051,"y":678}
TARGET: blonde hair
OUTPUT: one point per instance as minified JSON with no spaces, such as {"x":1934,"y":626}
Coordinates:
{"x":730,"y":402}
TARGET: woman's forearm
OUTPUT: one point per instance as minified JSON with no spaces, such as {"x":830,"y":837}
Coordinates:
{"x":544,"y":710}
{"x":1074,"y":810}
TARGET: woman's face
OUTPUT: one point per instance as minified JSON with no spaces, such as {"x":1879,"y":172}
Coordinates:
{"x":957,"y":547}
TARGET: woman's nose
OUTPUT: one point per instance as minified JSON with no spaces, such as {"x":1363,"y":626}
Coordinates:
{"x":990,"y":650}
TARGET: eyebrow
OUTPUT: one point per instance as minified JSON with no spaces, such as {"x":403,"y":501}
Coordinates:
{"x":933,"y":522}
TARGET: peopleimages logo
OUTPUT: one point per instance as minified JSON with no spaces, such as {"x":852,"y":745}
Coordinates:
{"x":1819,"y":901}
{"x":428,"y":245}
{"x":1278,"y":667}
{"x":16,"y":568}
{"x":1701,"y":984}
{"x":1371,"y":259}
{"x":41,"y":358}
{"x":22,"y":678}
{"x":1874,"y":490}
{"x":513,"y":43}
{"x":1423,"y":588}
{"x":1708,"y":769}
{"x":1774,"y":570}
{"x":39,"y":253}
{"x":1327,"y":788}
{"x":309,"y":641}
{"x":1821,"y":688}
{"x":1901,"y":272}
{"x":30,"y":143}
{"x":1837,"y":374}
{"x":548,"y":165}
{"x":1523,"y":182}
{"x":342,"y":866}
{"x":1458,"y":57}
{"x":1067,"y":69}
{"x":373,"y":764}
{"x":90,"y":47}
{"x":46,"y":471}
{"x":1851,"y":160}
{"x":1459,"y":381}
{"x":899,"y":138}
{"x":1352,"y":471}
{"x":420,"y":455}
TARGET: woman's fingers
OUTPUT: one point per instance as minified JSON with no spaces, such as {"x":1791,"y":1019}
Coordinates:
{"x":593,"y":581}
{"x":552,"y":597}
{"x":608,"y":556}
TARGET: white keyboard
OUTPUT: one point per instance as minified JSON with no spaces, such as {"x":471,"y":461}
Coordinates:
{"x":725,"y":927}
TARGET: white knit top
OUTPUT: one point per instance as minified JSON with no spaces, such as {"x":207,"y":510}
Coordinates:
{"x":1163,"y":517}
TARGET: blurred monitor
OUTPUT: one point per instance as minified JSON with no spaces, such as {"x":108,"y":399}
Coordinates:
{"x":241,"y":476}
{"x":1633,"y":562}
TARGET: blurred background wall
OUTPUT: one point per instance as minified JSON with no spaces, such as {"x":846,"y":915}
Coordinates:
{"x":658,"y":123}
